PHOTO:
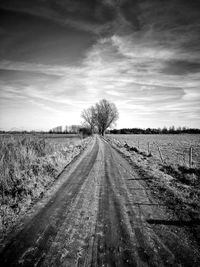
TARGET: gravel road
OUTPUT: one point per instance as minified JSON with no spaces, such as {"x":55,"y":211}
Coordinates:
{"x":100,"y":215}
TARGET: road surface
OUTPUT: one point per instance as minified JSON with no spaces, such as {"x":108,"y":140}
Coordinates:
{"x":101,"y":215}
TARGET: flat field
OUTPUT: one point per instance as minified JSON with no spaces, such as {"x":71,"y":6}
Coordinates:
{"x":52,"y":142}
{"x":174,"y":148}
{"x":60,"y":140}
{"x":55,"y":138}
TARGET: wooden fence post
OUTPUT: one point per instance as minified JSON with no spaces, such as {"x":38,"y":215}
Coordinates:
{"x":138,"y":145}
{"x":149,"y":152}
{"x":190,"y":157}
{"x":160,"y":153}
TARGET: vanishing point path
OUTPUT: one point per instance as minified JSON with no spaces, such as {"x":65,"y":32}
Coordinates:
{"x":100,"y":215}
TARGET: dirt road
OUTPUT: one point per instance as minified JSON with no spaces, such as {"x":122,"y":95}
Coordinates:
{"x":101,"y":215}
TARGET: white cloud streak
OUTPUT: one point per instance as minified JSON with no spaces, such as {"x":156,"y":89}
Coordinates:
{"x":118,"y":69}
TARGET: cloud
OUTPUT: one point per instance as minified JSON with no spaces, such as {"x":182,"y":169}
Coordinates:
{"x":108,"y":71}
{"x":180,"y":67}
{"x":133,"y":48}
{"x":92,"y":16}
{"x":117,"y":74}
{"x":33,"y":39}
{"x":62,"y":56}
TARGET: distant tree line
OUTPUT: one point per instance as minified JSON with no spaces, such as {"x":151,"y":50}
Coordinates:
{"x":68,"y":129}
{"x":164,"y":130}
{"x":75,"y":129}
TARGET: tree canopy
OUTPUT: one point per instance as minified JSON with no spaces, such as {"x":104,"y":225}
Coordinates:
{"x":100,"y":116}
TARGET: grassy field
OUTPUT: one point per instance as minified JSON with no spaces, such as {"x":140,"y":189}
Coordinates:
{"x":29,"y":165}
{"x":174,"y":148}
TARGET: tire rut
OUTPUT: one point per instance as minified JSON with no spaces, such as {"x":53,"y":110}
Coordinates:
{"x":112,"y":245}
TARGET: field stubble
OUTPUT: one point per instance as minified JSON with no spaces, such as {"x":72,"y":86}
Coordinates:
{"x":174,"y":148}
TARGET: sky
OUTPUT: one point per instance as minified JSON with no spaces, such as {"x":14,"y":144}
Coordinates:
{"x":58,"y":57}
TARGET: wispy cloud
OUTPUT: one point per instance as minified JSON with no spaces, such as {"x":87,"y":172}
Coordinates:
{"x":143,"y":55}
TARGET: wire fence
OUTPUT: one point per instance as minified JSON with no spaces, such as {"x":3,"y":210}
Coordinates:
{"x":172,"y":153}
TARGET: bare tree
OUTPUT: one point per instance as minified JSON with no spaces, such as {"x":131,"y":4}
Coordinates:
{"x":106,"y":115}
{"x":89,"y":117}
{"x":103,"y":115}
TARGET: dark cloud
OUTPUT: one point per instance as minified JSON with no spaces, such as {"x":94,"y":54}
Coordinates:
{"x":28,"y":76}
{"x":173,"y":23}
{"x":92,"y":11}
{"x":95,"y":12}
{"x":169,"y":13}
{"x":131,"y":12}
{"x":180,"y":67}
{"x":33,"y":39}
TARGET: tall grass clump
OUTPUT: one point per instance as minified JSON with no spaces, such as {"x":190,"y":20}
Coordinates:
{"x":20,"y":159}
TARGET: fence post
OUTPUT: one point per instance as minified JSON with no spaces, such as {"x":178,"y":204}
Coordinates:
{"x":149,"y":152}
{"x":138,"y":145}
{"x":190,"y":157}
{"x":160,"y":153}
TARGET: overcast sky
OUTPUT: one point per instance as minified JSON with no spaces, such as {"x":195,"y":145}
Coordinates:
{"x":58,"y":57}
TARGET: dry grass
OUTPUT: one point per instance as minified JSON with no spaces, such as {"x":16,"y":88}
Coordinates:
{"x":28,"y":167}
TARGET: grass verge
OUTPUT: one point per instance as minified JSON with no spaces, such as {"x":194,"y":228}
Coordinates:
{"x":176,"y":187}
{"x":28,"y":168}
